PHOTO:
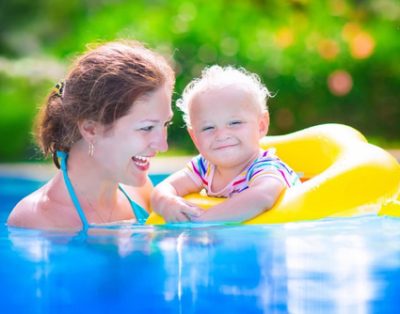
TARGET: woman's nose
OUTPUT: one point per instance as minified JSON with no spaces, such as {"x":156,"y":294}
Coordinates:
{"x":163,"y":146}
{"x":160,"y":143}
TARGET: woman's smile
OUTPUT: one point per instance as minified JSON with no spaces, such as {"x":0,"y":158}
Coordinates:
{"x":142,"y":163}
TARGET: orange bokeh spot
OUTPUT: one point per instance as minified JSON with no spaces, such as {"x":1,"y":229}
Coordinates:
{"x":362,"y":45}
{"x":340,"y":82}
{"x":350,"y":30}
{"x":328,"y":49}
{"x":284,"y":37}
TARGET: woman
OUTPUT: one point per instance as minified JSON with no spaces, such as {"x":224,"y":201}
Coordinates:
{"x":102,"y":124}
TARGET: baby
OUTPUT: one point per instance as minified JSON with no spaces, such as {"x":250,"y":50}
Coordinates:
{"x":226,"y":115}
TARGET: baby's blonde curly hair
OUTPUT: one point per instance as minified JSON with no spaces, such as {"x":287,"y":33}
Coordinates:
{"x":217,"y":77}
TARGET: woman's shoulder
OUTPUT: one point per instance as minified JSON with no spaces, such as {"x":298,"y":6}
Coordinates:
{"x":28,"y":212}
{"x":42,"y":209}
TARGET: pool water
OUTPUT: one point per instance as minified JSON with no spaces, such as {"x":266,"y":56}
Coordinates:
{"x":328,"y":266}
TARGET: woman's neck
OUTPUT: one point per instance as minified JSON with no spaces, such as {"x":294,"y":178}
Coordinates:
{"x":89,"y":180}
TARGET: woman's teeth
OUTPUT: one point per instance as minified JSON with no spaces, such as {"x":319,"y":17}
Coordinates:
{"x":141,"y":162}
{"x":140,"y":159}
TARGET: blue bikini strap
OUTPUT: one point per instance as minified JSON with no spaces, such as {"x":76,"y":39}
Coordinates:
{"x":64,"y":156}
{"x":140,"y":213}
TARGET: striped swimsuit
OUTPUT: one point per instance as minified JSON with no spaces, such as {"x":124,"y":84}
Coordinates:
{"x":201,"y":171}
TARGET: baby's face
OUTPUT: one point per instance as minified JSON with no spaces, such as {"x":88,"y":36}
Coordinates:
{"x":226,"y":126}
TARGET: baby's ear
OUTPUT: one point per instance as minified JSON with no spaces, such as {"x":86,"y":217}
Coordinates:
{"x":263,"y":124}
{"x":192,"y":135}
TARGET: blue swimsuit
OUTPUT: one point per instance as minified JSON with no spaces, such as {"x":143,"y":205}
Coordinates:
{"x":140,"y":213}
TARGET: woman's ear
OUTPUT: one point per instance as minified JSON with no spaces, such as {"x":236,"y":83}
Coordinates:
{"x":263,"y":124}
{"x":89,"y":130}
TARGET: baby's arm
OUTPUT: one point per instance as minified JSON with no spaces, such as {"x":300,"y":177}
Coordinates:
{"x":259,"y":197}
{"x":167,"y":200}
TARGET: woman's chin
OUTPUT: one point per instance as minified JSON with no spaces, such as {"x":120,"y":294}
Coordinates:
{"x":138,"y":180}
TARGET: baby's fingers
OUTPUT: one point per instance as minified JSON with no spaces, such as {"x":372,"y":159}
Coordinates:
{"x":178,"y":217}
{"x":192,"y":211}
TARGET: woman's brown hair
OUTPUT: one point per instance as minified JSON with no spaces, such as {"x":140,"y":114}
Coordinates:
{"x":102,"y":85}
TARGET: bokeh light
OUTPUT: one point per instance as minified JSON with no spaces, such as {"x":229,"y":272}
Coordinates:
{"x":361,"y":43}
{"x":350,"y":30}
{"x":229,"y":46}
{"x":284,"y":37}
{"x":328,"y":49}
{"x":284,"y":118}
{"x":340,"y":83}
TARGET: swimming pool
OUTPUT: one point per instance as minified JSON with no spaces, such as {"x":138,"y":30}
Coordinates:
{"x":329,"y":266}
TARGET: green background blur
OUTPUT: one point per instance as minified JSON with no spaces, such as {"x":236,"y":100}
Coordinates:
{"x":326,"y":61}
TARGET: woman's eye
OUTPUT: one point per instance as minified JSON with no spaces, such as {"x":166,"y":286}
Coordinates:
{"x":147,"y":128}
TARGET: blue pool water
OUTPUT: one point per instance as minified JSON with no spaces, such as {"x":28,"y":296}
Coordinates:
{"x":329,"y":266}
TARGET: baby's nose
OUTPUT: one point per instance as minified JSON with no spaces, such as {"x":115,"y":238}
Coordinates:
{"x":222,"y":134}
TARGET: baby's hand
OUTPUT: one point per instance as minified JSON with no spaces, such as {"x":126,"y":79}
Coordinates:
{"x":176,"y":209}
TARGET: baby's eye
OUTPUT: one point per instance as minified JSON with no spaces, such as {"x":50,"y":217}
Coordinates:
{"x":207,"y":128}
{"x":235,"y":122}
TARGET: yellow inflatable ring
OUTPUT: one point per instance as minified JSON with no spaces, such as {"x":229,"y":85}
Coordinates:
{"x":343,"y":176}
{"x":391,"y":208}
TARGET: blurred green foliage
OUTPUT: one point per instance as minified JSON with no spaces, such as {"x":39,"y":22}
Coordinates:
{"x":326,"y":61}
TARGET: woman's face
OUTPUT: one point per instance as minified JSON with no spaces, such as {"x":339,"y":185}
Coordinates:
{"x":124,"y":152}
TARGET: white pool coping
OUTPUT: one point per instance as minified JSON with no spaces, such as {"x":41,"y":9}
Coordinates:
{"x":159,"y":165}
{"x":44,"y":171}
